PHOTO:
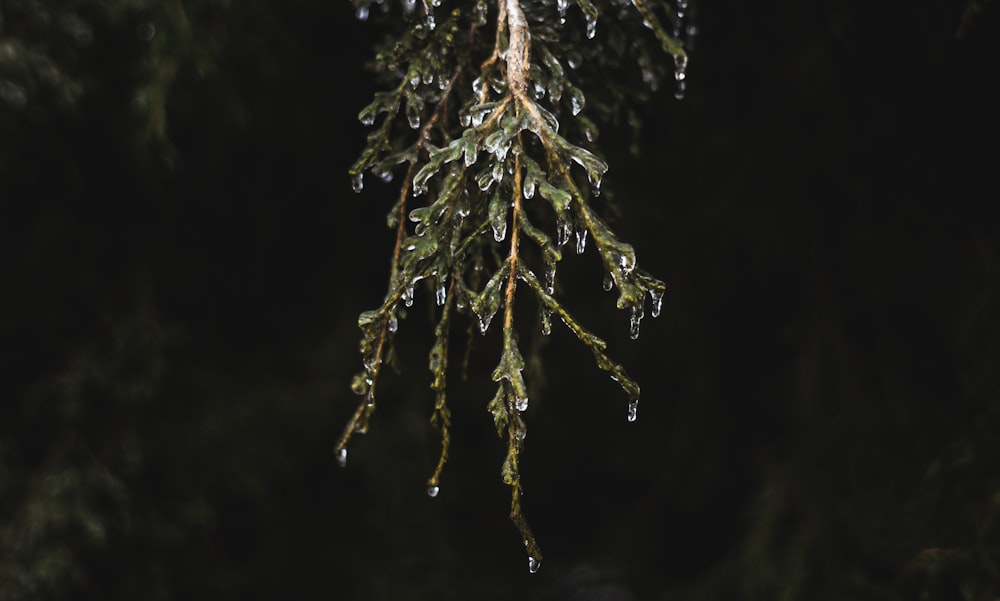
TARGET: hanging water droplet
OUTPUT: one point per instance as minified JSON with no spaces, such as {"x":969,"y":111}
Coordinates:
{"x":608,"y":283}
{"x":581,"y":241}
{"x":358,"y":182}
{"x":362,"y":14}
{"x":521,"y":405}
{"x":633,"y":410}
{"x":408,"y":296}
{"x":563,"y":231}
{"x":561,"y":6}
{"x":550,"y":279}
{"x":637,"y":314}
{"x":484,"y":323}
{"x":529,"y":188}
{"x":342,"y":457}
{"x":440,"y":295}
{"x":499,"y":229}
{"x":657,"y":296}
{"x":533,"y":565}
{"x":432,"y":491}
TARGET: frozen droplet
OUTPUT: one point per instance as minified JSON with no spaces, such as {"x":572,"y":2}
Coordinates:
{"x":520,"y":434}
{"x":358,"y":182}
{"x":657,"y":296}
{"x":428,"y":78}
{"x":465,"y":119}
{"x":431,"y":24}
{"x":432,"y":491}
{"x":342,"y":457}
{"x":470,"y":156}
{"x":529,"y":187}
{"x":546,"y":316}
{"x":484,"y":323}
{"x":576,"y":101}
{"x":415,"y":81}
{"x":408,"y":296}
{"x":521,"y":404}
{"x":563,"y":231}
{"x":499,"y":229}
{"x":386,"y":177}
{"x":440,"y":295}
{"x":581,"y":241}
{"x":591,"y":28}
{"x":633,"y":410}
{"x":626,"y":261}
{"x":413,"y":117}
{"x":679,"y":94}
{"x":562,"y":6}
{"x":409,"y":5}
{"x":362,"y":14}
{"x":497,"y":171}
{"x":368,"y":119}
{"x":608,"y":282}
{"x":550,"y":279}
{"x":533,"y":565}
{"x":637,"y":314}
{"x":392,"y":324}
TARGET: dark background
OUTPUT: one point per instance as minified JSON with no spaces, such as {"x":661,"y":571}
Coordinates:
{"x":178,"y":306}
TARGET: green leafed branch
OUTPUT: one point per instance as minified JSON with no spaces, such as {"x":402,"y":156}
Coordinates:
{"x":487,"y":123}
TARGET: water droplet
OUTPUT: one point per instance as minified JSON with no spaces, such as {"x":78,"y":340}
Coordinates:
{"x":528,"y":188}
{"x":637,"y":314}
{"x":608,"y":283}
{"x":499,"y":229}
{"x":432,"y":491}
{"x":368,"y":119}
{"x":408,"y":296}
{"x":415,"y":82}
{"x":591,"y":28}
{"x":521,"y":405}
{"x":533,"y":565}
{"x":563,"y":230}
{"x":342,"y":457}
{"x":362,"y":14}
{"x":440,"y":295}
{"x":581,"y":241}
{"x":633,"y":410}
{"x":358,"y":182}
{"x":657,"y":296}
{"x":484,"y":323}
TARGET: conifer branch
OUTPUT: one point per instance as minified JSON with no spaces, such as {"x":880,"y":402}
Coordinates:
{"x":455,"y":242}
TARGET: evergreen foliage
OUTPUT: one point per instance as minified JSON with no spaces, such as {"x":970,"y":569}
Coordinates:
{"x":503,"y":157}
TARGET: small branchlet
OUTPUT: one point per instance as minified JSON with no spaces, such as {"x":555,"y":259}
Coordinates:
{"x":504,"y":189}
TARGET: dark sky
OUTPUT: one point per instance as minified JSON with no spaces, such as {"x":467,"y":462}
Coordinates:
{"x":819,"y":395}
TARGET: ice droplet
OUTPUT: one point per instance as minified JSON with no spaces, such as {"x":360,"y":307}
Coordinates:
{"x":591,"y":28}
{"x":484,"y":323}
{"x":358,"y":182}
{"x":679,"y":94}
{"x":633,"y":410}
{"x":533,"y":565}
{"x":408,"y":296}
{"x":608,"y":283}
{"x":637,"y":314}
{"x":561,"y":6}
{"x":521,"y":405}
{"x":576,"y":101}
{"x":440,"y":295}
{"x":392,"y":324}
{"x":563,"y":230}
{"x":499,"y":229}
{"x":362,"y":14}
{"x":581,"y":241}
{"x":657,"y":296}
{"x":413,"y":117}
{"x":342,"y":457}
{"x":550,"y":279}
{"x":546,"y":316}
{"x":432,"y":491}
{"x":465,"y":119}
{"x":528,"y":188}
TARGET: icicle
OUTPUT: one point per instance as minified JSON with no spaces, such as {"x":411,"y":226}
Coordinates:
{"x":591,"y":27}
{"x":561,"y":6}
{"x":637,"y":314}
{"x":581,"y":241}
{"x":550,"y":279}
{"x":441,"y":294}
{"x":408,"y":296}
{"x":342,"y":457}
{"x":533,"y":565}
{"x":633,"y":410}
{"x":657,"y":296}
{"x":563,"y":231}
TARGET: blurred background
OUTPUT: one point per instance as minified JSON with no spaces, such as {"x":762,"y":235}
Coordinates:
{"x":182,"y":262}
